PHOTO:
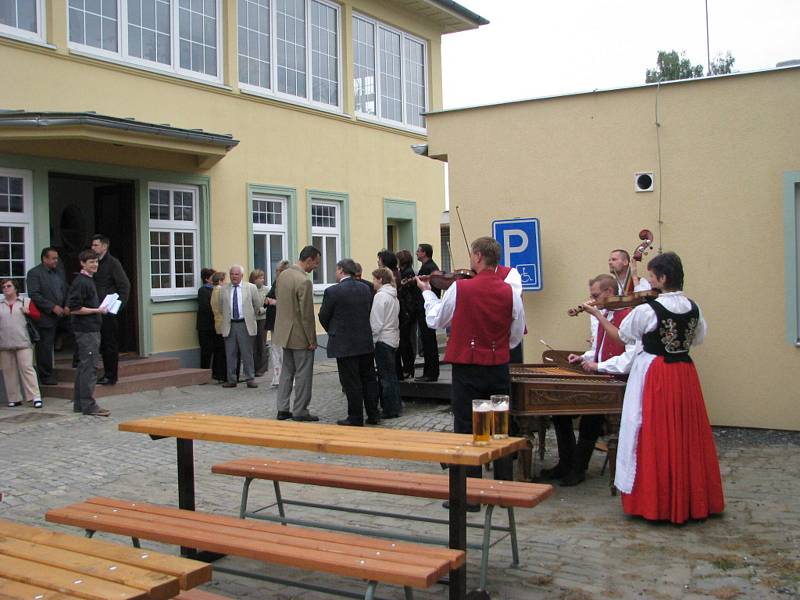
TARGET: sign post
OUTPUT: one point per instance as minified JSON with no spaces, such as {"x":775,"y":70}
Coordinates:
{"x":520,"y":248}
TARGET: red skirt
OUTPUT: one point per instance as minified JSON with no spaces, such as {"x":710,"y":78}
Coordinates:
{"x":677,"y":469}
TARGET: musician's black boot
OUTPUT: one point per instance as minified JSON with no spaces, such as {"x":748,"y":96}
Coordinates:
{"x":565,"y":436}
{"x":581,"y":458}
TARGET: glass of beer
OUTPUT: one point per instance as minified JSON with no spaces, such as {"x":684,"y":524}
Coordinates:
{"x":481,"y":421}
{"x":500,"y":405}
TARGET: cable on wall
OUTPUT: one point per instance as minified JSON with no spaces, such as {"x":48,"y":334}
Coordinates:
{"x":660,"y":178}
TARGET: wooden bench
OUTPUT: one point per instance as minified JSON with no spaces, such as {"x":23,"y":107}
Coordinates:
{"x":374,"y":560}
{"x":487,"y":492}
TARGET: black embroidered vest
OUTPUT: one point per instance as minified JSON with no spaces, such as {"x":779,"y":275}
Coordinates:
{"x":674,"y":334}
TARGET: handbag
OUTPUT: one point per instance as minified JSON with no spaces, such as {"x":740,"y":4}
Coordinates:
{"x":33,"y":332}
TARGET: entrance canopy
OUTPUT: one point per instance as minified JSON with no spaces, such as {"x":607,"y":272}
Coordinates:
{"x":116,"y":139}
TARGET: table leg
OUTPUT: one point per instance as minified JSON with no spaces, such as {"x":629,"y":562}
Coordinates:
{"x":186,"y":483}
{"x":458,"y":528}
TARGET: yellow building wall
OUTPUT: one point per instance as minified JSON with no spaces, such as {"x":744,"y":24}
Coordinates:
{"x":280,"y":143}
{"x":725,"y":145}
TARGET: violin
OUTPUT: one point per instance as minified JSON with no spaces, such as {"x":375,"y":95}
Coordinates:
{"x":440,"y":279}
{"x":629,"y":298}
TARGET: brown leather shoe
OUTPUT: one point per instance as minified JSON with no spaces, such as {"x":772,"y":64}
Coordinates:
{"x":228,"y":384}
{"x":251,"y":384}
{"x":99,"y":412}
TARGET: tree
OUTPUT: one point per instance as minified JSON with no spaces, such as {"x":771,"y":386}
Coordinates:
{"x":670,"y":66}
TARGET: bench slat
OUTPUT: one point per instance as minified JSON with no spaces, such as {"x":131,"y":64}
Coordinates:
{"x":199,"y":595}
{"x":303,"y":548}
{"x":190,"y":573}
{"x":160,"y":586}
{"x":425,"y":485}
{"x":84,"y":586}
{"x":14,"y":590}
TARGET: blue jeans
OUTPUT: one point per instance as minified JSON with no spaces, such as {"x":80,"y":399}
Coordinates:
{"x":387,"y":374}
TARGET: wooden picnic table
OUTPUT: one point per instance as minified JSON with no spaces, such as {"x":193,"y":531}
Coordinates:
{"x":40,"y":564}
{"x":453,"y":449}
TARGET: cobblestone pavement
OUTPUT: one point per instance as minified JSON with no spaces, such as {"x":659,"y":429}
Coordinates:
{"x":578,"y":545}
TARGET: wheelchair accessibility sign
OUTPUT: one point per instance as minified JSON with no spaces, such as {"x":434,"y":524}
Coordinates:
{"x":519,"y":248}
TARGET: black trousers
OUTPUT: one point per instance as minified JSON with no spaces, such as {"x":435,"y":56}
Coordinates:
{"x":430,"y":348}
{"x":405,"y":356}
{"x":478,"y":381}
{"x":44,"y":353}
{"x":357,"y":376}
{"x":589,"y":429}
{"x":109,"y":346}
{"x":206,"y":339}
{"x":219,"y":368}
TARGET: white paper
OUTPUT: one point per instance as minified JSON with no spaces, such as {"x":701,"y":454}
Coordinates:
{"x":112,"y":303}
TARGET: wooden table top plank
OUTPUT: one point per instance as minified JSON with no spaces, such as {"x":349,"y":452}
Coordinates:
{"x":190,"y":573}
{"x":379,"y":443}
{"x":64,"y":580}
{"x":14,"y":590}
{"x":222,"y":541}
{"x":143,"y":514}
{"x":157,"y":585}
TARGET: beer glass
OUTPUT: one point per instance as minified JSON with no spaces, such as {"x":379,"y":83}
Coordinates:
{"x":500,"y":406}
{"x":481,"y":421}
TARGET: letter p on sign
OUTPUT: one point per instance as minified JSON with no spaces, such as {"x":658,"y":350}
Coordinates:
{"x":515,"y":241}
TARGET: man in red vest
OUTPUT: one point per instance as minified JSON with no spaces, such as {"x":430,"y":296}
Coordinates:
{"x":605,"y":356}
{"x":486,"y":319}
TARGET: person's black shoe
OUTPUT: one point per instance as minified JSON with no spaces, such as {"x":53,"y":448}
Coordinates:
{"x":251,"y":383}
{"x":49,"y":382}
{"x":350,"y":423}
{"x":283,"y":415}
{"x":573,"y":478}
{"x":309,"y":417}
{"x":557,"y":472}
{"x":229,"y":384}
{"x":426,"y":379}
{"x":470,"y":507}
{"x":106,"y":381}
{"x":389,"y":416}
{"x":373,"y":421}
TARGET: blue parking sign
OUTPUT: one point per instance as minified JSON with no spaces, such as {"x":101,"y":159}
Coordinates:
{"x":519,"y":248}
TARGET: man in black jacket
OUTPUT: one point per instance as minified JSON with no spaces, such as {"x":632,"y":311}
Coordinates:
{"x":47,"y":287}
{"x":345,"y":316}
{"x":430,"y":347}
{"x":109,"y":279}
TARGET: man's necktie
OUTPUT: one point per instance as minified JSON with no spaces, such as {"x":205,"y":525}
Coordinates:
{"x":236,"y":303}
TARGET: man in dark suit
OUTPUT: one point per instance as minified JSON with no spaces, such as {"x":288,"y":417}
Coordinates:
{"x":47,"y":287}
{"x":430,"y":347}
{"x":345,"y":316}
{"x":109,"y":279}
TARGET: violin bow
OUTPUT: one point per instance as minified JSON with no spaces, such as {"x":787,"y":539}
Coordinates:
{"x":461,"y":223}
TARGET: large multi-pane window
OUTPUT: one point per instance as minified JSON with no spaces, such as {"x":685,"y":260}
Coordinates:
{"x":16,"y":215}
{"x":21,"y":17}
{"x":290,"y":48}
{"x":326,"y":234}
{"x":389,"y":73}
{"x":176,"y":35}
{"x":269,"y":232}
{"x":174,"y":226}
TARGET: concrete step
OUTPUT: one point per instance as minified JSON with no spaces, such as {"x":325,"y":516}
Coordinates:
{"x":130,"y":384}
{"x":127,"y":367}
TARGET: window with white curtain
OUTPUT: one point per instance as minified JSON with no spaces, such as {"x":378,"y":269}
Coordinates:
{"x":174,"y":245}
{"x":22,"y":18}
{"x":269,"y":232}
{"x":326,"y":234}
{"x":290,"y":48}
{"x":181,"y":36}
{"x":389,"y":74}
{"x":16,"y":220}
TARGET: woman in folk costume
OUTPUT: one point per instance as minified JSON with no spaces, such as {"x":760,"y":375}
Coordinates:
{"x":667,"y":465}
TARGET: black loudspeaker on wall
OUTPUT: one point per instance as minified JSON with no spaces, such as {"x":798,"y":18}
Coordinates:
{"x":644,"y":181}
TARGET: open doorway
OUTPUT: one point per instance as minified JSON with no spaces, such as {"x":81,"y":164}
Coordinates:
{"x":81,"y":206}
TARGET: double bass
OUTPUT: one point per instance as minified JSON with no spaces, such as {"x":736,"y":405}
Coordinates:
{"x":628,"y":298}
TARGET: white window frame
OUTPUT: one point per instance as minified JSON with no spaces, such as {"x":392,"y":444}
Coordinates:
{"x":326,"y":232}
{"x":23,"y":219}
{"x":173,"y":226}
{"x":37,"y":36}
{"x":174,"y":67}
{"x":377,"y":118}
{"x":272,"y":91}
{"x":268,"y":229}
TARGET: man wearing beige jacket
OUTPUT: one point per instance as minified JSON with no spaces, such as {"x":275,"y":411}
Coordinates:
{"x":296,"y":332}
{"x":240,"y":305}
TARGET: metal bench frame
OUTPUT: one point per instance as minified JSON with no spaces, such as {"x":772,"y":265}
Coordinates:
{"x":484,"y":546}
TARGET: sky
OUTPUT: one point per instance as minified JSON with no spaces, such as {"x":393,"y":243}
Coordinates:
{"x":535,"y":48}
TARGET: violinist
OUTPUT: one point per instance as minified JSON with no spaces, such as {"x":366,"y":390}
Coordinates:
{"x":486,"y":319}
{"x":667,"y":465}
{"x":604,"y":356}
{"x":430,"y":347}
